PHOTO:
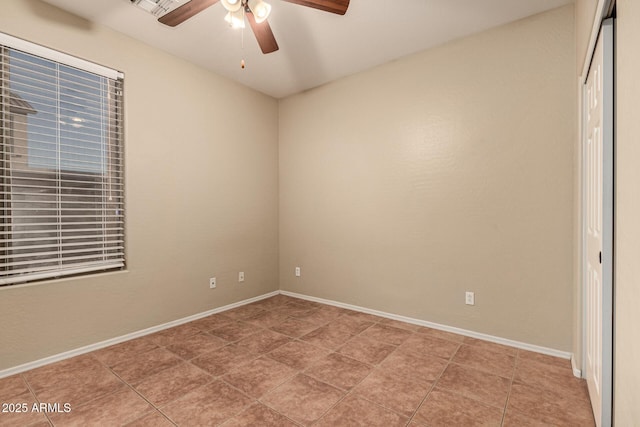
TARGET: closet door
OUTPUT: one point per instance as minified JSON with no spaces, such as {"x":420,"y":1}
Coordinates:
{"x":598,"y":224}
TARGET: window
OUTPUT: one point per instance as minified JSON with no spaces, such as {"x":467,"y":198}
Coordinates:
{"x":61,"y":165}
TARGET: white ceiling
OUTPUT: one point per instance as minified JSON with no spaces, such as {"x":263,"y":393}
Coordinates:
{"x":315,"y":47}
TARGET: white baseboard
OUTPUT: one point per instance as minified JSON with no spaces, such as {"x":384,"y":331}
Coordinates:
{"x":102,"y":344}
{"x":576,"y":372}
{"x":97,"y":346}
{"x":465,"y":332}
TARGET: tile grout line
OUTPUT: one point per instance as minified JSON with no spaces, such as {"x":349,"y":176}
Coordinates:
{"x":513,"y":375}
{"x":35,"y":397}
{"x":450,"y":361}
{"x":475,"y":399}
{"x":95,"y":398}
{"x":409,"y":418}
{"x":161,"y":346}
{"x":433,"y":385}
{"x":258,"y":400}
{"x":253,"y":399}
{"x":266,"y":405}
{"x":132,"y":388}
{"x":213,"y":379}
{"x":335,"y":351}
{"x":164,"y":346}
{"x":351,"y":392}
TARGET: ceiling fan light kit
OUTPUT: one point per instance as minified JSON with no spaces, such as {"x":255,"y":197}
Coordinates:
{"x":231,"y":5}
{"x":235,"y":19}
{"x":255,"y":11}
{"x":260,"y":9}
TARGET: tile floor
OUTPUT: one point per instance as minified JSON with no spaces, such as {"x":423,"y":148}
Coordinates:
{"x":288,"y":362}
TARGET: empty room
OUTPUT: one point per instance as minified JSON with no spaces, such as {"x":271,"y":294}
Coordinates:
{"x":319,"y":213}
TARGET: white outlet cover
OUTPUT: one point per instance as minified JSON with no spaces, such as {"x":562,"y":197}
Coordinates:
{"x":470,"y":298}
{"x":212,"y":283}
{"x":241,"y":276}
{"x":297,"y":271}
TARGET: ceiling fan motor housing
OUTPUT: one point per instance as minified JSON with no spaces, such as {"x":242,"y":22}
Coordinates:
{"x":256,"y":12}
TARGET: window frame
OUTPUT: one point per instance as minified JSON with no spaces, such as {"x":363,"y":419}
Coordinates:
{"x":112,"y":102}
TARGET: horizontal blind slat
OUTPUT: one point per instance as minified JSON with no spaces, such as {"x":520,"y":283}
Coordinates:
{"x":67,"y":224}
{"x":47,"y":273}
{"x":66,"y":181}
{"x":45,"y":176}
{"x":99,"y":241}
{"x":57,"y":259}
{"x":55,"y":255}
{"x":85,"y":236}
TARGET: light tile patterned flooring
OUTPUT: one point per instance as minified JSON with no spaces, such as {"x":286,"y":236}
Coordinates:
{"x":289,"y":362}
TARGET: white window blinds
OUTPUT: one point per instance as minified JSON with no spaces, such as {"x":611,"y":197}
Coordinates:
{"x":61,"y":165}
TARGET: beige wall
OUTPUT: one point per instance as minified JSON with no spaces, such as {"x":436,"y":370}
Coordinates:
{"x":446,"y":171}
{"x":400,"y":188}
{"x":627,"y":234}
{"x":202,"y":197}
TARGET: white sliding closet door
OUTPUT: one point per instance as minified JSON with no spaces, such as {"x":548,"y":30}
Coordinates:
{"x":598,"y":225}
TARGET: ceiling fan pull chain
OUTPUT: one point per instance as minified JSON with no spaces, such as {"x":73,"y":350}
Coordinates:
{"x":242,"y":37}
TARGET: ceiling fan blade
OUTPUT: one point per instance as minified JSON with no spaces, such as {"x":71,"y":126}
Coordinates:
{"x":186,"y":11}
{"x":263,"y":33}
{"x":334,"y":6}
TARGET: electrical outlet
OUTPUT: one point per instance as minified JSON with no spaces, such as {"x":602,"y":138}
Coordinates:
{"x":212,"y":282}
{"x":297,"y":271}
{"x":470,"y":298}
{"x":241,"y":276}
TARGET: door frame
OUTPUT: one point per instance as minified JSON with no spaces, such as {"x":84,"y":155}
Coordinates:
{"x":607,"y":31}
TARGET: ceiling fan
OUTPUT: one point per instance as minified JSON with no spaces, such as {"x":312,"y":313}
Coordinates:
{"x":256,"y":12}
